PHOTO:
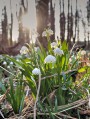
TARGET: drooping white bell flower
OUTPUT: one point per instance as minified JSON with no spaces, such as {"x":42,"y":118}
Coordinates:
{"x":47,"y":31}
{"x":4,"y":63}
{"x":50,"y":59}
{"x":50,"y":31}
{"x":11,"y":63}
{"x":58,"y":51}
{"x":23,"y":50}
{"x":8,"y":67}
{"x":36,"y":71}
{"x":53,"y":45}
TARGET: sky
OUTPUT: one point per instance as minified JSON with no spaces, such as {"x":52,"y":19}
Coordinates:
{"x":30,"y":19}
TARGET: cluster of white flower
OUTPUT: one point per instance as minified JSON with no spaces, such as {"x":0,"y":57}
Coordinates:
{"x":50,"y":59}
{"x":47,"y":32}
{"x":53,"y":45}
{"x":23,"y":50}
{"x":58,"y":51}
{"x":36,"y":71}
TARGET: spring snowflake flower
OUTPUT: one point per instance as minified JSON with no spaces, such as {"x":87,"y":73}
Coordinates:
{"x":8,"y":67}
{"x":53,"y":45}
{"x":36,"y":71}
{"x":23,"y":50}
{"x":11,"y":63}
{"x":83,"y":52}
{"x":58,"y":51}
{"x":47,"y":32}
{"x":4,"y":63}
{"x":50,"y":59}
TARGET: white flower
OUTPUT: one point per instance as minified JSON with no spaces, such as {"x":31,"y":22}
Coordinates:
{"x":58,"y":51}
{"x":24,"y":50}
{"x":50,"y":32}
{"x":44,"y":34}
{"x":11,"y":63}
{"x":50,"y":59}
{"x":83,"y":52}
{"x":4,"y":63}
{"x":53,"y":44}
{"x":8,"y":67}
{"x":36,"y":71}
{"x":47,"y":32}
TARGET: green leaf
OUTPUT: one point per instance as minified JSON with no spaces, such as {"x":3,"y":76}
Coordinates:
{"x":2,"y":87}
{"x":83,"y":69}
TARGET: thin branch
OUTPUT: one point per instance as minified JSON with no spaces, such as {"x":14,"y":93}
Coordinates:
{"x":69,"y":71}
{"x":7,"y":71}
{"x":38,"y":90}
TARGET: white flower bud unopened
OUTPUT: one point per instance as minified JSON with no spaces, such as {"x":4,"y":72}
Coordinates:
{"x":36,"y":71}
{"x":58,"y":51}
{"x":50,"y":59}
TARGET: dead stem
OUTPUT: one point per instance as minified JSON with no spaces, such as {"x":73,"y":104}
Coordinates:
{"x":38,"y":90}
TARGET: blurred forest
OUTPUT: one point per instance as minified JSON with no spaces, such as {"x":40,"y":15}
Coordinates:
{"x":45,"y":17}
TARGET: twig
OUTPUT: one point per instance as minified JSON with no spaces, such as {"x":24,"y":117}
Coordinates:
{"x":69,"y":71}
{"x":2,"y":114}
{"x":3,"y":96}
{"x":7,"y":71}
{"x":69,"y":117}
{"x":72,"y":48}
{"x":38,"y":90}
